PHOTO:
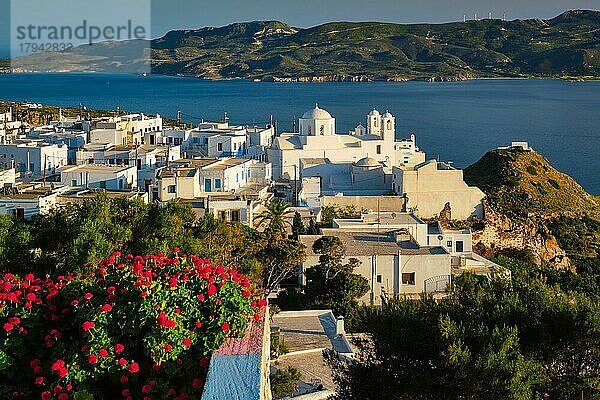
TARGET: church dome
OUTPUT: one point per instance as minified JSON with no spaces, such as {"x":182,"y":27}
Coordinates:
{"x":388,"y":115}
{"x":367,"y":162}
{"x":316,"y":113}
{"x":374,"y":113}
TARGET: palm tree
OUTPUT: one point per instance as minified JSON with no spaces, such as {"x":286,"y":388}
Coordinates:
{"x":275,"y":217}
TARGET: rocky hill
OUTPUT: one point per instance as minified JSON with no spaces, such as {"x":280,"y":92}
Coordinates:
{"x":533,"y":208}
{"x":520,"y":183}
{"x":565,"y":46}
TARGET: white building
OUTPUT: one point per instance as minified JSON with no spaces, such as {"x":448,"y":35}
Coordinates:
{"x":318,"y":139}
{"x":99,"y":176}
{"x":125,"y":129}
{"x":33,"y":157}
{"x":74,"y":140}
{"x":217,"y":139}
{"x":365,"y":177}
{"x":402,"y":254}
{"x":27,"y":200}
{"x":428,"y":186}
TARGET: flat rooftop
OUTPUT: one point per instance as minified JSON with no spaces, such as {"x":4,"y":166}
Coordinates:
{"x":306,"y":334}
{"x":372,"y":243}
{"x":95,"y":168}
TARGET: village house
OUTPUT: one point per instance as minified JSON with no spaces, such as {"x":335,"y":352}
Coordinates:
{"x":99,"y":176}
{"x":33,"y":157}
{"x":429,"y":186}
{"x":401,"y":254}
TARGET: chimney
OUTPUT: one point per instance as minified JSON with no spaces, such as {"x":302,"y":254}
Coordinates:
{"x":339,"y":326}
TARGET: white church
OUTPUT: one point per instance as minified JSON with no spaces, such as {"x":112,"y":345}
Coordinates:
{"x":369,"y":162}
{"x":375,"y":145}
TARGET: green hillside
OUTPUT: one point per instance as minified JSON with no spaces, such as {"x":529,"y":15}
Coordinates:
{"x":519,"y":183}
{"x":565,"y":46}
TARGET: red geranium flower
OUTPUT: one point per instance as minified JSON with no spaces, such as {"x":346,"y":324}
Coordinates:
{"x":187,"y":342}
{"x":119,"y":348}
{"x":225,"y":327}
{"x":88,"y":296}
{"x":46,"y":395}
{"x":168,"y":347}
{"x":92,"y":359}
{"x":62,"y":372}
{"x":197,"y":383}
{"x":8,"y":327}
{"x":103,"y":353}
{"x":124,"y":379}
{"x":58,"y":364}
{"x":88,"y":325}
{"x":106,"y":308}
{"x":212,"y":289}
{"x":134,"y":367}
{"x":122,"y":361}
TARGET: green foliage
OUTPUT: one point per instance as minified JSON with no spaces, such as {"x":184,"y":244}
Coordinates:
{"x":278,"y":348}
{"x":331,"y":284}
{"x":506,"y":176}
{"x":285,"y":382}
{"x":274,"y":219}
{"x":297,"y":226}
{"x":141,"y":324}
{"x":530,"y":337}
{"x":329,"y":213}
{"x":75,"y":237}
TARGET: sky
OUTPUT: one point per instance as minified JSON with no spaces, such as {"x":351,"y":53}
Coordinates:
{"x":185,"y":14}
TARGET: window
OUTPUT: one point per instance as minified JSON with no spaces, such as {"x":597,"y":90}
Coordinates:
{"x":378,"y":149}
{"x":379,"y":279}
{"x":205,"y":140}
{"x":73,"y":182}
{"x":217,"y":183}
{"x":102,"y":184}
{"x":222,"y":215}
{"x":322,"y":130}
{"x":237,"y":177}
{"x":171,"y":189}
{"x":235,"y":216}
{"x":234,"y":146}
{"x":207,"y":185}
{"x":375,"y":123}
{"x":449,"y":243}
{"x":408,"y":278}
{"x":389,"y":125}
{"x":309,"y":130}
{"x":243,"y":175}
{"x":460,"y":246}
{"x":219,"y":146}
{"x":19,"y":213}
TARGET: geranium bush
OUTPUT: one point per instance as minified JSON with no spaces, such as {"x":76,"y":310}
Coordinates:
{"x":135,"y":328}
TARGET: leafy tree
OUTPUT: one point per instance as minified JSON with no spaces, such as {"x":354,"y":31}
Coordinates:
{"x":285,"y":382}
{"x":331,"y":283}
{"x":495,"y":339}
{"x":297,"y":226}
{"x":312,"y":228}
{"x":275,"y":219}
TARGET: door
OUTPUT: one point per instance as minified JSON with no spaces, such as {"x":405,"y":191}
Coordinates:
{"x":207,"y":185}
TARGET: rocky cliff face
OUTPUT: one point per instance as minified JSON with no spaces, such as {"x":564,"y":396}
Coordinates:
{"x":499,"y":234}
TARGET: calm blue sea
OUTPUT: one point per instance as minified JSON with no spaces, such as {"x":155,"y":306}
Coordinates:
{"x":455,"y":121}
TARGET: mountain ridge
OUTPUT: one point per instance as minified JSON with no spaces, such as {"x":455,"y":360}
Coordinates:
{"x":567,"y":45}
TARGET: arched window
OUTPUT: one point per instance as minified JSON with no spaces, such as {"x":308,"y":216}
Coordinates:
{"x":309,"y":130}
{"x":375,"y":123}
{"x":322,"y":130}
{"x":389,"y":125}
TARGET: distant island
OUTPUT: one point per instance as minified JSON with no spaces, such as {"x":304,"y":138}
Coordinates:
{"x":567,"y":46}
